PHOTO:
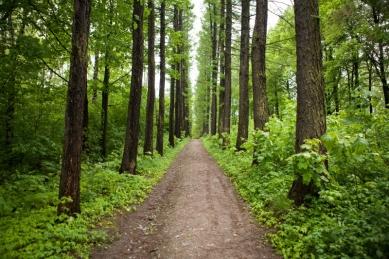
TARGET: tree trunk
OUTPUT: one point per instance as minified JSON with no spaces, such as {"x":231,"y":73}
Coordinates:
{"x":370,"y":73}
{"x":186,"y":99}
{"x":227,"y":73}
{"x":214,"y":69}
{"x":178,"y":84}
{"x":148,"y":145}
{"x":104,"y":106}
{"x":222,"y":67}
{"x":161,"y":110}
{"x":95,"y":75}
{"x":261,"y":112}
{"x":381,"y":60}
{"x":311,"y":115}
{"x":171,"y":111}
{"x":85,"y":123}
{"x":71,"y":163}
{"x":130,"y":152}
{"x":243,"y":123}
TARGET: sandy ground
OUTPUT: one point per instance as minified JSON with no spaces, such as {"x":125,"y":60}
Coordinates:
{"x":194,"y":212}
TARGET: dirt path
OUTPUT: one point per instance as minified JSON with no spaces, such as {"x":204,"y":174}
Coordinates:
{"x":193,"y":212}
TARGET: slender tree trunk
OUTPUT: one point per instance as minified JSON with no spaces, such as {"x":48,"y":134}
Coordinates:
{"x":106,"y":89}
{"x":381,"y":71}
{"x":227,"y":73}
{"x":261,"y":112}
{"x":277,"y":102}
{"x":161,"y":110}
{"x":95,"y":75}
{"x":370,"y":72}
{"x":10,"y":93}
{"x":213,"y":25}
{"x":130,"y":152}
{"x":243,"y":123}
{"x":171,"y":111}
{"x":222,"y":67}
{"x":336,"y":92}
{"x":311,"y":115}
{"x":104,"y":106}
{"x":186,"y":98}
{"x":71,"y":163}
{"x":85,"y":123}
{"x":178,"y":84}
{"x":148,"y":145}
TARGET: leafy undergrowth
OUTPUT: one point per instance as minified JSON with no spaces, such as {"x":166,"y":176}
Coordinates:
{"x":350,"y":217}
{"x":30,"y":228}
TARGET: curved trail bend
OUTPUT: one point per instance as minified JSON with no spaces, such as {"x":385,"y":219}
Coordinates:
{"x":193,"y":212}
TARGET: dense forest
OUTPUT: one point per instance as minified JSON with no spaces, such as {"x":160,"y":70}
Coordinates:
{"x":97,"y":99}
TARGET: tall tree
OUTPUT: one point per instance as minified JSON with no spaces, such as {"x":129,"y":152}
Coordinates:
{"x":162,"y":68}
{"x":106,"y":82}
{"x":227,"y":72}
{"x":311,"y":115}
{"x":95,"y":75}
{"x":171,"y":110}
{"x":148,"y":144}
{"x":222,"y":66}
{"x":104,"y":104}
{"x":378,"y":19}
{"x":71,"y":163}
{"x":213,"y":29}
{"x":261,"y":114}
{"x":243,"y":123}
{"x":130,"y":152}
{"x":178,"y":67}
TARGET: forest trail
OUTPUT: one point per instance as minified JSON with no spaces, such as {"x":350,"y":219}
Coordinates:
{"x":193,"y":212}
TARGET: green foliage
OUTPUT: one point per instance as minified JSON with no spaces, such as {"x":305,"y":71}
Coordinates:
{"x":349,"y":218}
{"x":28,"y":222}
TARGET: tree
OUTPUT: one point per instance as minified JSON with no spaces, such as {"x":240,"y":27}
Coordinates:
{"x":311,"y":115}
{"x":227,"y":73}
{"x":213,"y":29}
{"x":71,"y":162}
{"x":261,"y":113}
{"x":243,"y":76}
{"x":106,"y":82}
{"x":222,"y":66}
{"x":179,"y":101}
{"x":148,"y":144}
{"x":130,"y":152}
{"x":162,"y":68}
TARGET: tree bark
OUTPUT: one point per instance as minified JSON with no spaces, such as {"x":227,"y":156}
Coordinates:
{"x":161,"y":110}
{"x":171,"y":110}
{"x":186,"y":98}
{"x":243,"y":123}
{"x":261,"y":113}
{"x":222,"y":67}
{"x":227,"y":73}
{"x":148,"y":144}
{"x":104,"y":106}
{"x":213,"y":25}
{"x":71,"y":163}
{"x":178,"y":84}
{"x":131,"y":141}
{"x":311,"y":115}
{"x":95,"y":76}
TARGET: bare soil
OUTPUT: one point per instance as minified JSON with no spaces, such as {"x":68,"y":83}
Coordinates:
{"x":194,"y":212}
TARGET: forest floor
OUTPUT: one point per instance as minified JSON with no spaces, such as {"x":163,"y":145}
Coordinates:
{"x":194,"y":212}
